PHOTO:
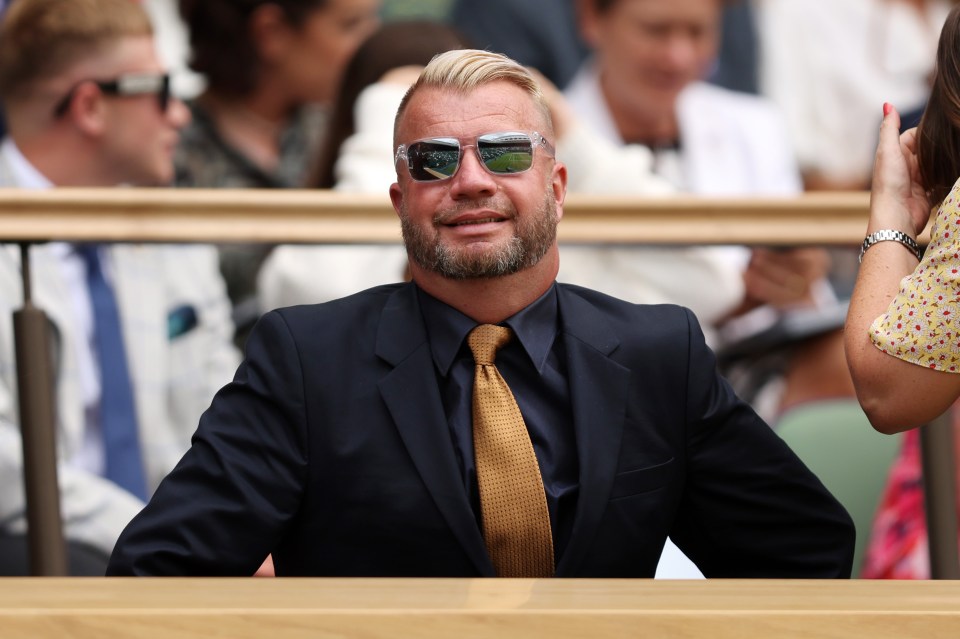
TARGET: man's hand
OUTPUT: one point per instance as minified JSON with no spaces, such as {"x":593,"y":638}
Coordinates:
{"x":266,"y":568}
{"x":784,"y":278}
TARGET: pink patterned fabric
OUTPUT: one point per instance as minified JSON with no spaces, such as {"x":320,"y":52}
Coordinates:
{"x":897,"y":548}
{"x":898,"y":539}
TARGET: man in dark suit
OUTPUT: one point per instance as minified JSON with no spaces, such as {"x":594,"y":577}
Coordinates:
{"x":345,"y":445}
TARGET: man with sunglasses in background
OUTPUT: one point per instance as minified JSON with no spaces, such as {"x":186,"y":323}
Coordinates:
{"x":140,"y":333}
{"x":482,"y":420}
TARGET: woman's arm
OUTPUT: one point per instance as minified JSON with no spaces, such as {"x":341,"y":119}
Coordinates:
{"x":895,"y":394}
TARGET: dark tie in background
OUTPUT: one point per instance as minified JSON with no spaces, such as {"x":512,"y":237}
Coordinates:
{"x":118,"y":418}
{"x":516,"y":522}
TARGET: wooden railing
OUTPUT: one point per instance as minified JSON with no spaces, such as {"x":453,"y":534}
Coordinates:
{"x":474,"y":608}
{"x":303,"y":216}
{"x":312,"y":216}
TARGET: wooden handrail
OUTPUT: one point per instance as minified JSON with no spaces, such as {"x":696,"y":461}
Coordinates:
{"x":475,"y":608}
{"x":315,"y":216}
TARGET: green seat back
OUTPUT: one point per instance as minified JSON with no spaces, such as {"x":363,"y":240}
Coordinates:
{"x":835,"y":440}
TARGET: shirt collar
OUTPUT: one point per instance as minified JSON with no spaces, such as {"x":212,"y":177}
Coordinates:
{"x":535,"y":328}
{"x":26,"y":175}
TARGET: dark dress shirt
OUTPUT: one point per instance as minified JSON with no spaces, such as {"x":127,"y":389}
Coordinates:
{"x":533,"y":365}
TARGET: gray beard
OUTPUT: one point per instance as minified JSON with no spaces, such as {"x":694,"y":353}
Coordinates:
{"x":532,"y":240}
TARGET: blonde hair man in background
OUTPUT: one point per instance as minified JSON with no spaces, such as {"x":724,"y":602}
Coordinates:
{"x":88,"y":104}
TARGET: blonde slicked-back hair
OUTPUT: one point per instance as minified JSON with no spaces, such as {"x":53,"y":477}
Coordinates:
{"x":463,"y":70}
{"x":40,"y":39}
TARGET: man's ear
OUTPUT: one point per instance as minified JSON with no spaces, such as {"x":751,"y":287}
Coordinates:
{"x":269,"y":31}
{"x":396,"y":197}
{"x":559,"y":185}
{"x":88,"y":109}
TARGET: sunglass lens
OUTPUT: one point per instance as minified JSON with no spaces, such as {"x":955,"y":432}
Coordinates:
{"x":433,"y":160}
{"x":511,"y":155}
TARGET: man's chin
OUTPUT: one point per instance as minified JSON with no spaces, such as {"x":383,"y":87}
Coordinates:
{"x":159,"y":179}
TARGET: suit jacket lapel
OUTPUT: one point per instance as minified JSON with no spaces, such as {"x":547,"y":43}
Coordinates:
{"x":411,"y":394}
{"x":598,"y":394}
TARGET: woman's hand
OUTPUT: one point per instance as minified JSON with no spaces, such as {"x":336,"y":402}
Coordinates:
{"x":898,"y":199}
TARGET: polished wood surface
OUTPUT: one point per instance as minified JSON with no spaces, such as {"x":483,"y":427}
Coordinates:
{"x":452,"y":608}
{"x":307,"y":216}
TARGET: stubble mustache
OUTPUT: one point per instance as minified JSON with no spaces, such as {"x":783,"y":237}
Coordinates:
{"x":505,"y":210}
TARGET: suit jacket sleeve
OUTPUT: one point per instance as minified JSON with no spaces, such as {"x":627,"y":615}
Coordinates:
{"x":225,"y":505}
{"x":750,"y":507}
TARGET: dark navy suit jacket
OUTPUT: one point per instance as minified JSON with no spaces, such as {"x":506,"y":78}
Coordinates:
{"x":330,"y":449}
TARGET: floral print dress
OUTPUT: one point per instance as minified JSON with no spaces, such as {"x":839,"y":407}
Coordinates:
{"x":920,"y":326}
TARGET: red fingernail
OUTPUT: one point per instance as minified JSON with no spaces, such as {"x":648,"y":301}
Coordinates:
{"x":887,"y":108}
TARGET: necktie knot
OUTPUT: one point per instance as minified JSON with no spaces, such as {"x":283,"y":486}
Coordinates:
{"x":485,"y":340}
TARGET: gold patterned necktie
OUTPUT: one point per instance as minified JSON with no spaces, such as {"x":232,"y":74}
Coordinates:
{"x":516,"y":523}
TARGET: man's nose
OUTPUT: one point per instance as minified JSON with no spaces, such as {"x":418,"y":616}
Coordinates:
{"x":177,"y":113}
{"x":472,"y":179}
{"x":681,"y":51}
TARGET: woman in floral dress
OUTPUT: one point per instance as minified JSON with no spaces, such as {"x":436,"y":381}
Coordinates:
{"x":902,"y":337}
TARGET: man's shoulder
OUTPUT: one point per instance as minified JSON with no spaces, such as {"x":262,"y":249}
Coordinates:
{"x":343,"y":311}
{"x":346,"y":328}
{"x":617,"y":308}
{"x":631,"y":332}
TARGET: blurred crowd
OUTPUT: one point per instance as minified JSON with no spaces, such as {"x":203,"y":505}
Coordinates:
{"x":650,"y":98}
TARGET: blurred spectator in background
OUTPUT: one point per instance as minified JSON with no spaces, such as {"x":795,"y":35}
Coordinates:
{"x":173,"y":46}
{"x":436,"y":10}
{"x":538,"y":33}
{"x":828,"y":65}
{"x":736,"y":66}
{"x":270,"y":68}
{"x":643,"y":86}
{"x":140,"y":333}
{"x":544,"y":34}
{"x":3,"y":125}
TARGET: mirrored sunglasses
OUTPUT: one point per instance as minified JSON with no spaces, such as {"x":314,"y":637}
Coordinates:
{"x":127,"y":85}
{"x":501,"y":153}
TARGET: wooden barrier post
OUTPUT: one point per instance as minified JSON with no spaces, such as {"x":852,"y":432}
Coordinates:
{"x":35,"y":385}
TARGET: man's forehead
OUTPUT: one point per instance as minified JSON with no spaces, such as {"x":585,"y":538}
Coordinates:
{"x":125,"y":54}
{"x":495,"y":106}
{"x":133,"y":53}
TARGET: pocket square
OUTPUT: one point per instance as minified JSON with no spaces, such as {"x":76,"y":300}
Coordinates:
{"x":181,"y":320}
